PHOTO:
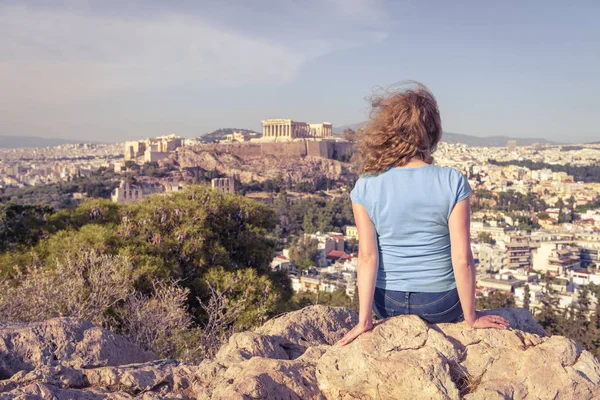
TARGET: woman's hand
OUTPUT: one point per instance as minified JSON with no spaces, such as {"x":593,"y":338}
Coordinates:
{"x":483,"y":320}
{"x":355,"y":332}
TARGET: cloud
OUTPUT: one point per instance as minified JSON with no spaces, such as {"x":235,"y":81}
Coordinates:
{"x":59,"y":56}
{"x":360,"y":10}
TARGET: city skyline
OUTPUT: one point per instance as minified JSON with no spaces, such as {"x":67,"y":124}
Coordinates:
{"x":112,"y":71}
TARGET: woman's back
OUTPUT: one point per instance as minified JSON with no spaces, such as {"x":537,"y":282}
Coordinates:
{"x":409,"y":208}
{"x":413,"y":219}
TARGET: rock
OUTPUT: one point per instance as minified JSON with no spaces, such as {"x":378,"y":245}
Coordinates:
{"x":63,"y":341}
{"x":133,"y":379}
{"x":246,"y":345}
{"x":295,"y":356}
{"x":292,"y":169}
{"x":393,"y":361}
{"x":261,"y":378}
{"x":313,"y":326}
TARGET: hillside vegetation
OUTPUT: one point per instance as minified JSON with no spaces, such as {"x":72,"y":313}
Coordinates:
{"x":156,"y":270}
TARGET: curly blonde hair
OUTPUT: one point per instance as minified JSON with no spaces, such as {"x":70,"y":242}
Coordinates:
{"x":405,"y":124}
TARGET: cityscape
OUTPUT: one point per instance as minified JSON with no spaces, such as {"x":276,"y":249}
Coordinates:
{"x":299,"y":200}
{"x":536,"y":209}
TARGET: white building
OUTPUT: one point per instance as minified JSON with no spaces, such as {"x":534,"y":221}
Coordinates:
{"x":286,"y":129}
{"x":491,"y":258}
{"x":556,"y":257}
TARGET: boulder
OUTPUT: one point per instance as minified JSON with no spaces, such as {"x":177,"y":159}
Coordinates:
{"x":295,"y":356}
{"x":68,"y":342}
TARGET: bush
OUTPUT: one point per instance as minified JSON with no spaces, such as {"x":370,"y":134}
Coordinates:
{"x":160,"y":322}
{"x":86,"y":287}
{"x":100,"y":289}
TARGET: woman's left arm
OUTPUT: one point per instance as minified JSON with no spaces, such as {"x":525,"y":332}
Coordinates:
{"x":366,"y":272}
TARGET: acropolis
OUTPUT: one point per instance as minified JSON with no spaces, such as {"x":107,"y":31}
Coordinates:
{"x":286,"y":129}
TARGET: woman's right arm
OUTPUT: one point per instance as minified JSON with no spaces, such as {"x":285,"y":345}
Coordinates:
{"x":464,"y":268}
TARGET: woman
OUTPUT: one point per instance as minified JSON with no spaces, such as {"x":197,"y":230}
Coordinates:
{"x":413,"y":220}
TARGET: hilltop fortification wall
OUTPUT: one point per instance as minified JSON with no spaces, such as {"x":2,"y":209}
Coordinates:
{"x":296,"y":148}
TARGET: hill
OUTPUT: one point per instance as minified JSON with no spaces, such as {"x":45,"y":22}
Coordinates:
{"x":13,"y":142}
{"x":220,"y":134}
{"x":448,"y":137}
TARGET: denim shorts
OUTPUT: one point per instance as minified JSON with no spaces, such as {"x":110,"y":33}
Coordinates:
{"x":432,"y":307}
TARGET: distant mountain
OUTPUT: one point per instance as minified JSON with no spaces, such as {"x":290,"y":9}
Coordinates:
{"x":491,"y":141}
{"x":448,"y":137}
{"x":338,"y":130}
{"x":220,"y":134}
{"x":13,"y":142}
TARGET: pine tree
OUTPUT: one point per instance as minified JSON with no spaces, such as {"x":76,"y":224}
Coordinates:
{"x":548,"y":317}
{"x":583,"y":304}
{"x":582,"y":326}
{"x":355,"y":301}
{"x":595,"y":330}
{"x":526,"y":298}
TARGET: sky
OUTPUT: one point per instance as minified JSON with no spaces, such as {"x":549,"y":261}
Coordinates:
{"x":112,"y":70}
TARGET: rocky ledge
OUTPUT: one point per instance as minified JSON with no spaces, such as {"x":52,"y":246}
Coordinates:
{"x":294,"y":356}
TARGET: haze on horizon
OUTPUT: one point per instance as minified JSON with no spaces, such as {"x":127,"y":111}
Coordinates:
{"x":116,"y":70}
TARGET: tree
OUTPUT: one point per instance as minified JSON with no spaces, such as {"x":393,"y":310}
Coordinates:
{"x":486,"y":237}
{"x":350,"y":135}
{"x":181,"y":236}
{"x":596,"y":317}
{"x":303,"y":252}
{"x":583,"y":303}
{"x":543,"y":215}
{"x":496,"y":300}
{"x":22,"y":225}
{"x":548,"y":317}
{"x":355,"y":299}
{"x":526,"y":297}
{"x":132,"y":165}
{"x":337,"y":298}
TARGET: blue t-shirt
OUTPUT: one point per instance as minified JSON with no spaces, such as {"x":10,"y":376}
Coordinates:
{"x":410,"y":208}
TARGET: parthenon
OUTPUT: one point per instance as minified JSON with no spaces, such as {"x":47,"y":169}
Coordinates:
{"x":286,"y":129}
